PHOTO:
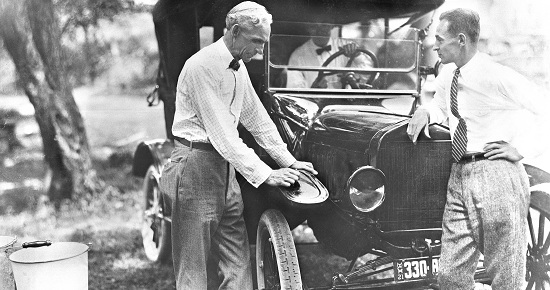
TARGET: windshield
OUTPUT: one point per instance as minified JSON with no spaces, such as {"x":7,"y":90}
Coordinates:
{"x":319,"y":56}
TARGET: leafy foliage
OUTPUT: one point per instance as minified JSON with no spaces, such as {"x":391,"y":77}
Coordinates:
{"x":85,"y":16}
{"x":87,"y":13}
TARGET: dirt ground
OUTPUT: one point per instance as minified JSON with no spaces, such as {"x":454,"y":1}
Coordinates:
{"x":111,"y":221}
{"x":111,"y":225}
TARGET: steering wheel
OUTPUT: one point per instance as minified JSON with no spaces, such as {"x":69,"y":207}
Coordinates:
{"x":349,"y":77}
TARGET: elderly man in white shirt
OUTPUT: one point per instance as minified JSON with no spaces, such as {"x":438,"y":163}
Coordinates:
{"x":491,"y":111}
{"x":315,"y":51}
{"x":214,"y":94}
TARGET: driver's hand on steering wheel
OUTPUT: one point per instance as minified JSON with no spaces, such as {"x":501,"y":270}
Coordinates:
{"x":320,"y":84}
{"x":350,"y":49}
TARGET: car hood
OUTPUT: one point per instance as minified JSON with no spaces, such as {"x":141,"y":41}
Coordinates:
{"x":339,"y":122}
{"x":332,"y":120}
{"x":353,"y":128}
{"x":362,"y":121}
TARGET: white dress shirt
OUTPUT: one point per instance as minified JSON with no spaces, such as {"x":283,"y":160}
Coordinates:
{"x":306,"y":55}
{"x":212,"y":99}
{"x":497,"y":103}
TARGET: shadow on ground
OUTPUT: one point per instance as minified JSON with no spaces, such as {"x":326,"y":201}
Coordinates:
{"x":117,"y":261}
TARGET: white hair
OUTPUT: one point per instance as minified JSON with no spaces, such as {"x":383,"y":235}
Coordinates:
{"x":248,"y":14}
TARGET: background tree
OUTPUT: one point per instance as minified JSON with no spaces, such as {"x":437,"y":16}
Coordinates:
{"x":32,"y":37}
{"x":85,"y":15}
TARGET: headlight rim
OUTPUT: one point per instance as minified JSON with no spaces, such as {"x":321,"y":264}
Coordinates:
{"x":349,"y":182}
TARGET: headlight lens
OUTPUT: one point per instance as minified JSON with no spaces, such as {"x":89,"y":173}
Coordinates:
{"x":366,"y":188}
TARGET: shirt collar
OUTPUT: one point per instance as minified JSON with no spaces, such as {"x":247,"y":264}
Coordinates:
{"x":311,"y":46}
{"x":471,"y":66}
{"x":225,"y":55}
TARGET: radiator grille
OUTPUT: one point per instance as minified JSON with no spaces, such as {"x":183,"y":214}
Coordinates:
{"x":335,"y":166}
{"x":417,"y":178}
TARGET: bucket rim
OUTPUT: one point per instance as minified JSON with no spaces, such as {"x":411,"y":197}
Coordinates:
{"x":11,"y":242}
{"x":80,"y":252}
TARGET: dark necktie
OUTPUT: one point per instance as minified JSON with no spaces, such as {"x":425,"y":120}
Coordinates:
{"x":323,"y":49}
{"x":459,"y":138}
{"x":234,"y":64}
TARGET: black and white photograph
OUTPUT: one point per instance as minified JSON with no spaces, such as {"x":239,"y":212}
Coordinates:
{"x":282,"y":144}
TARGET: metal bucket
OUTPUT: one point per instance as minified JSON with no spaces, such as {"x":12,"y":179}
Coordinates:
{"x":6,"y":274}
{"x":61,"y":266}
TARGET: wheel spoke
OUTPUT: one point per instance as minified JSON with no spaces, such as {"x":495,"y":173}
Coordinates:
{"x":542,"y":220}
{"x":546,"y":244}
{"x":530,"y":284}
{"x":271,"y":274}
{"x":531,"y":229}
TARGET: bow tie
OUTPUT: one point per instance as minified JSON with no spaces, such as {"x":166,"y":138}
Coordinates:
{"x":323,"y":49}
{"x":234,"y":64}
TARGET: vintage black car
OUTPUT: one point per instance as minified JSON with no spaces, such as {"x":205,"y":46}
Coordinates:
{"x":381,"y":194}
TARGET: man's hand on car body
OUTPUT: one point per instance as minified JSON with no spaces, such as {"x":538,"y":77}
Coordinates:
{"x":283,"y":177}
{"x":288,"y":176}
{"x":420,"y":120}
{"x":307,"y":166}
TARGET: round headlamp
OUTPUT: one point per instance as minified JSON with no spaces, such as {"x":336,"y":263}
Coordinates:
{"x":366,"y":188}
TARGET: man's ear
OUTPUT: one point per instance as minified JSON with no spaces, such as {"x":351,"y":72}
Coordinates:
{"x":462,"y":39}
{"x":235,"y":30}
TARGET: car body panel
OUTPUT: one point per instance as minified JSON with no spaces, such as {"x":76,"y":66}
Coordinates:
{"x":339,"y":130}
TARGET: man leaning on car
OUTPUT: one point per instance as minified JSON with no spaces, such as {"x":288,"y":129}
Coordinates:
{"x":214,"y":94}
{"x":491,"y":112}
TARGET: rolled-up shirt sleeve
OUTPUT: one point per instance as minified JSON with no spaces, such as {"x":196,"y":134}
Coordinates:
{"x":256,"y":120}
{"x":437,"y":107}
{"x":204,"y":93}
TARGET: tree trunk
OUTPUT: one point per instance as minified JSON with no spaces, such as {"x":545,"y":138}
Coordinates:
{"x":33,"y":39}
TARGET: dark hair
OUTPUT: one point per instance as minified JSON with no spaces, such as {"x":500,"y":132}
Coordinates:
{"x":462,"y":21}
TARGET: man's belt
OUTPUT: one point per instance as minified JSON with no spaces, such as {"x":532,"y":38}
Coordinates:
{"x":473,"y":157}
{"x":195,"y":145}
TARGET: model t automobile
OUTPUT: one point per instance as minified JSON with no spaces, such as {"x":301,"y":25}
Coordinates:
{"x":376,"y":192}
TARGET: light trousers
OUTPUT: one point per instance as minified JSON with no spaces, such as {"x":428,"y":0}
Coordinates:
{"x":209,"y":240}
{"x":485,"y":213}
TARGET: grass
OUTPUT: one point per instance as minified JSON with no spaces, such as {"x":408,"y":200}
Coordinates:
{"x":110,"y":222}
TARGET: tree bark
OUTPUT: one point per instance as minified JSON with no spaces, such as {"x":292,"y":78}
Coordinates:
{"x":32,"y":37}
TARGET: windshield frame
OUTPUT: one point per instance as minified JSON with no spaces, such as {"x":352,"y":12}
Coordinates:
{"x":412,"y":69}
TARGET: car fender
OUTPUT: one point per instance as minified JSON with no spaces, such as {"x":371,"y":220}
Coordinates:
{"x":153,"y":152}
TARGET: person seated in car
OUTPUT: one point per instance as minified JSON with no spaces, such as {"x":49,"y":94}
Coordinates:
{"x":314,"y":52}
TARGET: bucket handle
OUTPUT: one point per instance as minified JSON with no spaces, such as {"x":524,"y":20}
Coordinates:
{"x":36,"y":244}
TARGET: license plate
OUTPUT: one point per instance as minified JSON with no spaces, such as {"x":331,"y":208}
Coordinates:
{"x":415,"y":268}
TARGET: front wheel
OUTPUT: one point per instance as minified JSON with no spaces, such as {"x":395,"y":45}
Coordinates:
{"x":156,"y":230}
{"x":276,"y":259}
{"x":538,"y":254}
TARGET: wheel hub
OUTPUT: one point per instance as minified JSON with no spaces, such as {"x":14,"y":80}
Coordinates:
{"x":537,"y":265}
